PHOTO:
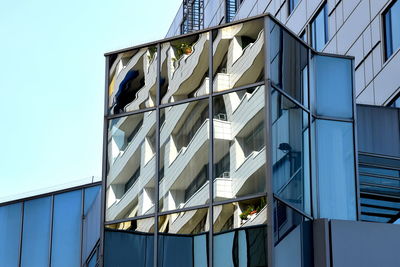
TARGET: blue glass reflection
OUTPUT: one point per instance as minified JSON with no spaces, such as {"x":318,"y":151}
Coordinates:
{"x":241,"y":247}
{"x":91,"y":222}
{"x":333,"y":86}
{"x":392,"y":29}
{"x":128,"y":249}
{"x":175,"y":250}
{"x":10,"y":234}
{"x":66,"y":237}
{"x":336,"y":176}
{"x":36,"y":233}
{"x":319,"y":29}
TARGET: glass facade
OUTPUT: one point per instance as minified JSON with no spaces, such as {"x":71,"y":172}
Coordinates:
{"x":392,"y":29}
{"x":48,"y":230}
{"x":225,"y":165}
{"x":319,"y":29}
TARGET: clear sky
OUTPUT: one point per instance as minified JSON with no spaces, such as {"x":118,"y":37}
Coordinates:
{"x":52,"y":83}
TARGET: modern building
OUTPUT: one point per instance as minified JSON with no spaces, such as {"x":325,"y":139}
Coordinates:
{"x":241,"y":144}
{"x":257,"y":133}
{"x":57,"y":228}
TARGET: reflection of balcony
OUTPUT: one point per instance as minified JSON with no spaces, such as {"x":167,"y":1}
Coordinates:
{"x":189,"y":71}
{"x":250,"y":166}
{"x":187,"y":219}
{"x":257,"y":219}
{"x":195,"y":151}
{"x":130,"y":198}
{"x":121,"y":168}
{"x":244,"y":65}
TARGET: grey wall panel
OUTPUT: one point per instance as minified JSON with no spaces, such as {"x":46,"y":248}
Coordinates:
{"x":364,"y":244}
{"x":378,"y":130}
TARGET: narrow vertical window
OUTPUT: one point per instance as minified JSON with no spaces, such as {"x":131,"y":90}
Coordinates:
{"x":392,"y":29}
{"x":319,"y":29}
{"x":292,"y":5}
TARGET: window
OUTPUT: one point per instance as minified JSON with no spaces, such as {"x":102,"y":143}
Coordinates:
{"x":392,"y":29}
{"x":319,"y":29}
{"x":292,"y":5}
{"x":395,"y":103}
{"x":193,"y":16}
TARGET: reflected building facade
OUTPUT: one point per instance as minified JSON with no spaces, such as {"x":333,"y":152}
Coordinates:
{"x":222,"y":146}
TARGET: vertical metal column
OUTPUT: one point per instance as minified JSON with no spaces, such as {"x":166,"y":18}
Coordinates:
{"x":211,"y":150}
{"x":21,"y":233}
{"x":157,"y":176}
{"x":51,"y":227}
{"x":268,"y":144}
{"x":104,"y":163}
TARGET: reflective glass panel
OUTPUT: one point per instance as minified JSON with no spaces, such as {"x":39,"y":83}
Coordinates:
{"x":184,"y":146}
{"x":132,"y":80}
{"x":333,"y":86}
{"x":293,"y":236}
{"x":290,"y":152}
{"x":129,"y":244}
{"x":319,"y":29}
{"x":91,"y":223}
{"x":238,"y":54}
{"x":240,"y":237}
{"x":239,"y":143}
{"x":10,"y":234}
{"x":67,"y":223}
{"x":182,"y":240}
{"x":184,"y":68}
{"x":36,"y":233}
{"x":289,"y":63}
{"x":132,"y":164}
{"x":392,"y":29}
{"x":336,"y":178}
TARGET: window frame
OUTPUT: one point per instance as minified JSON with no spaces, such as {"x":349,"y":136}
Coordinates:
{"x":385,"y":32}
{"x":322,"y":8}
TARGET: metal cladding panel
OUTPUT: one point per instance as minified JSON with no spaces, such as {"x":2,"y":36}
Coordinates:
{"x":378,"y":130}
{"x":364,"y":244}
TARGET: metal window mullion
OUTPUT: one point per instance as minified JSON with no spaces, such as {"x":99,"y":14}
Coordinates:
{"x":21,"y":233}
{"x":157,"y":176}
{"x":104,"y":164}
{"x":268,"y":144}
{"x":81,"y":224}
{"x":310,"y":152}
{"x":211,"y":151}
{"x":51,"y":228}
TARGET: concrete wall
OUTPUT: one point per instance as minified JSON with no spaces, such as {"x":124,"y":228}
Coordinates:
{"x":355,"y":28}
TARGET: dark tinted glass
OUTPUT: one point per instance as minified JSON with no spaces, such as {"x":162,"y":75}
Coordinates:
{"x":129,"y":244}
{"x":240,"y":233}
{"x":10,"y":234}
{"x":184,"y":145}
{"x":392,"y":29}
{"x":184,"y":68}
{"x":132,"y":77}
{"x":289,"y":64}
{"x":319,"y":29}
{"x":36,"y":233}
{"x":239,"y":143}
{"x":132,"y":166}
{"x":66,"y":236}
{"x":238,"y":54}
{"x":290,"y":152}
{"x":293,"y":236}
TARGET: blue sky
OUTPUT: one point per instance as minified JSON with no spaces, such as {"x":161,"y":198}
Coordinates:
{"x":52,"y":83}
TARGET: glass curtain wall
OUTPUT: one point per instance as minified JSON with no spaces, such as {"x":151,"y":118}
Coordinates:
{"x":51,"y":230}
{"x":187,"y":178}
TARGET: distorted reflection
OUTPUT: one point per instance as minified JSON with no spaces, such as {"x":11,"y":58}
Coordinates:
{"x":184,"y":142}
{"x":290,"y":152}
{"x":131,"y":160}
{"x":239,"y":143}
{"x":184,"y":68}
{"x":133,"y":77}
{"x":183,"y":239}
{"x":238,"y":55}
{"x":240,"y":233}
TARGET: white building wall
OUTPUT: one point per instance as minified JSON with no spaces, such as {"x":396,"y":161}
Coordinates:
{"x":355,"y":28}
